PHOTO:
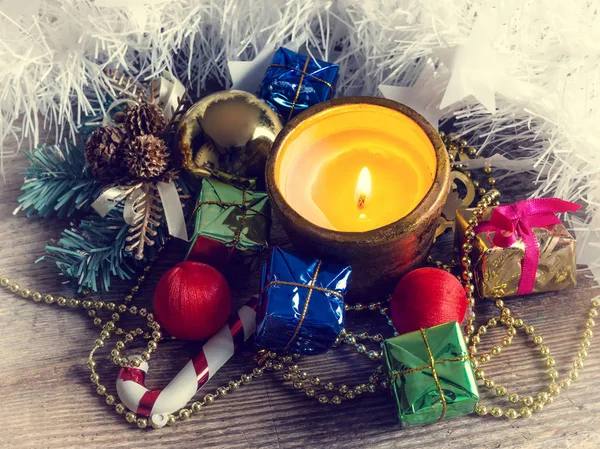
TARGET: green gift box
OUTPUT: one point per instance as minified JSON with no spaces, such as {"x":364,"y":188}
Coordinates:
{"x":430,"y":374}
{"x":228,"y":220}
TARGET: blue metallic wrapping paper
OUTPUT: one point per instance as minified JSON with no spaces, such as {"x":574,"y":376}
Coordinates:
{"x":294,"y":82}
{"x":300,"y":318}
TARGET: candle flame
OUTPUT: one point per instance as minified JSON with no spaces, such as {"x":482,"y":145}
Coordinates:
{"x":362,"y":193}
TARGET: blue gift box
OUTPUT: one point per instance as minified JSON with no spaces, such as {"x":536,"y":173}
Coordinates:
{"x":301,"y":308}
{"x":295,"y":82}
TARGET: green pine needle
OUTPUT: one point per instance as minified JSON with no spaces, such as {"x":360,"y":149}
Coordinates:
{"x":91,"y":253}
{"x":57,"y":183}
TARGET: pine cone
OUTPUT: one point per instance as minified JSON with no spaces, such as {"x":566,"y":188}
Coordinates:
{"x":145,"y":119}
{"x":146,"y":157}
{"x":104,"y":151}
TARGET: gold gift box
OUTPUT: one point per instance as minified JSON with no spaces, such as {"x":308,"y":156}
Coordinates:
{"x":497,"y":271}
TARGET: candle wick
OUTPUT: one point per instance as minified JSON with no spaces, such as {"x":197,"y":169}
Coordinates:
{"x":361,"y":201}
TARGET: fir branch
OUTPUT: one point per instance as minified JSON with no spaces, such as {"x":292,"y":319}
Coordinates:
{"x":96,"y":250}
{"x":91,"y":253}
{"x":57,"y":183}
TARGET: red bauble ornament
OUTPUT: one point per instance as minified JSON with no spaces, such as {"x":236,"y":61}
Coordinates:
{"x":427,"y":297}
{"x":209,"y":251}
{"x":192,"y":301}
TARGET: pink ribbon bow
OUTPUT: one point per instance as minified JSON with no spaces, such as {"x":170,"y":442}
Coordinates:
{"x":516,"y":221}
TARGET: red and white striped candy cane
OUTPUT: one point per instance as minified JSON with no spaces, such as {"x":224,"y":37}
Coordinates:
{"x":158,"y":404}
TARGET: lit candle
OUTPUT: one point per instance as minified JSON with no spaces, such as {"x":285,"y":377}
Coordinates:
{"x":362,"y":193}
{"x":365,"y":167}
{"x":363,"y":181}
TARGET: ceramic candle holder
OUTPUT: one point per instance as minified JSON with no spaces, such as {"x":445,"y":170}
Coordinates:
{"x":380,"y":256}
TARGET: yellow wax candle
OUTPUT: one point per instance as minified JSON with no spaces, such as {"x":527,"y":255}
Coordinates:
{"x":356,"y":167}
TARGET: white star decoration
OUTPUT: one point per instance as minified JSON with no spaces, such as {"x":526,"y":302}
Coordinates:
{"x":424,"y":95}
{"x":246,"y":75}
{"x":479,"y":70}
{"x":138,"y":10}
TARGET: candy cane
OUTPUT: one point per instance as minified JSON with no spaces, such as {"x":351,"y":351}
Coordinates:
{"x":158,"y":404}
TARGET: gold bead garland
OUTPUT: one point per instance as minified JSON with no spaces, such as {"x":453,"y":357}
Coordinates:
{"x":473,"y":336}
{"x":266,"y":360}
{"x":456,"y":146}
{"x":301,"y":380}
{"x":313,"y":386}
{"x":460,"y":147}
{"x":530,"y":404}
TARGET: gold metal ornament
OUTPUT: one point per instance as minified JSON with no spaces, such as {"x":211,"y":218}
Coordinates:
{"x":464,"y":191}
{"x":455,"y":201}
{"x":230,"y":131}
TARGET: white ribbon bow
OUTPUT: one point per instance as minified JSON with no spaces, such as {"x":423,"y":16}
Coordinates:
{"x":171,"y":204}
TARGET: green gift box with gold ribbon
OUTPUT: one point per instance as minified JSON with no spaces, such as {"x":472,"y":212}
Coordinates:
{"x":229,"y":220}
{"x":430,"y":375}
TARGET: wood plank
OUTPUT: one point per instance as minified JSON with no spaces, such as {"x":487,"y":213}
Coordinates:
{"x":48,"y":400}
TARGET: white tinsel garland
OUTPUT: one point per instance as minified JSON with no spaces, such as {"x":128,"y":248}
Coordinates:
{"x":541,"y":66}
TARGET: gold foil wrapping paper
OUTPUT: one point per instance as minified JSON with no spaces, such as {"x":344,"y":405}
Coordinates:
{"x":497,"y":271}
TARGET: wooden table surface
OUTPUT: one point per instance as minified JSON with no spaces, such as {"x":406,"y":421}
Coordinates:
{"x":47,"y":399}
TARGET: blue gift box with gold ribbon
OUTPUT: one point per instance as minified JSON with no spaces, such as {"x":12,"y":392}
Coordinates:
{"x":301,"y":308}
{"x":295,"y":82}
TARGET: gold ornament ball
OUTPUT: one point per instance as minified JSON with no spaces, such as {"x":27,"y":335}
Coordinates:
{"x":501,"y":391}
{"x":496,"y":412}
{"x":142,"y":423}
{"x":196,"y":407}
{"x":231,"y":131}
{"x":565,"y":383}
{"x":525,"y":412}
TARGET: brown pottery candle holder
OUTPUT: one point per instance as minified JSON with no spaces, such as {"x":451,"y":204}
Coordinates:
{"x":381,"y":256}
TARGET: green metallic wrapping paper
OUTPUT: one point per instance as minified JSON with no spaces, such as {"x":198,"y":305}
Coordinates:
{"x":239,"y":219}
{"x":497,"y":271}
{"x":430,"y":375}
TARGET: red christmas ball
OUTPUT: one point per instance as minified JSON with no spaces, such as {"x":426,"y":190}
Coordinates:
{"x":192,"y":301}
{"x":427,"y":297}
{"x":210,"y":252}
